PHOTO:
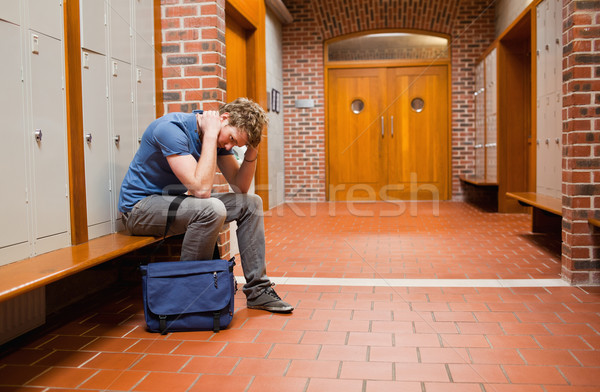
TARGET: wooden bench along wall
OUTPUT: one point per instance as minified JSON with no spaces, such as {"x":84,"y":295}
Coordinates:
{"x":547,"y":211}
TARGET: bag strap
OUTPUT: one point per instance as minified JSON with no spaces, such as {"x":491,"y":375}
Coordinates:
{"x":173,"y":207}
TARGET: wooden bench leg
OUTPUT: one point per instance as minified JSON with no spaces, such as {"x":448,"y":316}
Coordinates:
{"x":545,"y":222}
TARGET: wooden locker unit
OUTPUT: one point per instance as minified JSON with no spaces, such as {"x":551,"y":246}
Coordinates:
{"x":14,"y":237}
{"x":479,"y":121}
{"x":96,"y":139}
{"x":123,"y":140}
{"x":49,"y":154}
{"x":120,"y":30}
{"x":33,"y":108}
{"x":548,"y":98}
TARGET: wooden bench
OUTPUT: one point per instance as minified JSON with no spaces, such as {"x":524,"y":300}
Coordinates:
{"x":480,"y":192}
{"x":28,"y":274}
{"x":477,"y":181}
{"x":547,"y":210}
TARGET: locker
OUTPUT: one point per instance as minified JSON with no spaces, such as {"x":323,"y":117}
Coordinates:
{"x":540,"y":63}
{"x":13,"y":153}
{"x":96,"y":136}
{"x":9,"y":11}
{"x":124,"y":138}
{"x":479,"y":121}
{"x":50,"y":193}
{"x":144,"y":33}
{"x":93,"y":25}
{"x":145,"y":107}
{"x":120,"y":30}
{"x":46,"y":17}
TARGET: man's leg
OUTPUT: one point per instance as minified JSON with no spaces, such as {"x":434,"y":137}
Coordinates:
{"x":200,"y":219}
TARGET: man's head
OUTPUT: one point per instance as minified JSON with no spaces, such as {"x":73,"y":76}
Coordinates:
{"x":248,"y":117}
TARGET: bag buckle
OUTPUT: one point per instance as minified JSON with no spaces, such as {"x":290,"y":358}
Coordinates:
{"x":162,"y":324}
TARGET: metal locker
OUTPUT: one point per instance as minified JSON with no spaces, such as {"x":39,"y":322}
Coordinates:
{"x":540,"y":52}
{"x":46,"y":17}
{"x":13,"y":153}
{"x":93,"y":25}
{"x":120,"y":30}
{"x":96,"y":135}
{"x":479,"y":121}
{"x":144,"y":99}
{"x":124,"y":138}
{"x":144,"y":33}
{"x":10,"y":11}
{"x":48,"y":106}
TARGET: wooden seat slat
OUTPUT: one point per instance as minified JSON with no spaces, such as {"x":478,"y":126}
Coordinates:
{"x":543,"y":202}
{"x":477,"y":181}
{"x":25,"y":275}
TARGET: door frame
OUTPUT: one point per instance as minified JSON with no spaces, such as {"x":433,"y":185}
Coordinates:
{"x":447,"y":62}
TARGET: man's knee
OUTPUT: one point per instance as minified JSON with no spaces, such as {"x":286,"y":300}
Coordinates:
{"x":208,"y":210}
{"x":254,"y":202}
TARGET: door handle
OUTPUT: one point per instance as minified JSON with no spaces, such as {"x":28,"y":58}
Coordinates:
{"x":382,"y":126}
{"x":392,"y":126}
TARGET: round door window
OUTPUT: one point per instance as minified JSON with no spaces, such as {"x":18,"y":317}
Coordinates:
{"x":357,"y":106}
{"x":417,"y":105}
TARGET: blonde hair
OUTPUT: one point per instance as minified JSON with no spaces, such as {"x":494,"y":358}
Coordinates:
{"x":247,"y":116}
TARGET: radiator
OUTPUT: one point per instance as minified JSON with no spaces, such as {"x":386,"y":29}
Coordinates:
{"x":22,"y":314}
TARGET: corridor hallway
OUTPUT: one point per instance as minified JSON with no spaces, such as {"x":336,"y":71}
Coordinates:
{"x":413,"y":297}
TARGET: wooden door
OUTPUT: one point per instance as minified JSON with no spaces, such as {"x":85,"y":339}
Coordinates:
{"x":389,"y":150}
{"x":355,"y":141}
{"x":236,"y":59}
{"x":417,"y":139}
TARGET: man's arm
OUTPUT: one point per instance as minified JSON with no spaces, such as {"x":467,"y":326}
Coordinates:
{"x":198,"y":177}
{"x":239,"y":177}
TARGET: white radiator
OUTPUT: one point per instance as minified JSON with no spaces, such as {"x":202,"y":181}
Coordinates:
{"x":22,"y":314}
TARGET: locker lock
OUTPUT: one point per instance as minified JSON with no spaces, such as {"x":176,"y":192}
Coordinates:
{"x":117,"y":139}
{"x":38,"y":135}
{"x":547,"y":141}
{"x":88,"y":138}
{"x":557,"y":141}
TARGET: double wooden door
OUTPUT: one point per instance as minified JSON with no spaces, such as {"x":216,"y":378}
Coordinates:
{"x":388,"y":135}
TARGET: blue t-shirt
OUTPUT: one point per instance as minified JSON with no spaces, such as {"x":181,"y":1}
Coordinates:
{"x":149,"y":173}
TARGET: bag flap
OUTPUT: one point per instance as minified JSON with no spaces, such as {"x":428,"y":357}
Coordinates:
{"x":181,"y":287}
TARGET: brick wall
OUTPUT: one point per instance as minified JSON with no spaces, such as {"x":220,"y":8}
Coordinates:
{"x":193,"y":52}
{"x":581,"y":141}
{"x":468,"y":22}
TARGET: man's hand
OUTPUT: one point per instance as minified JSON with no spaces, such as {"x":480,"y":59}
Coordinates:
{"x":209,"y":123}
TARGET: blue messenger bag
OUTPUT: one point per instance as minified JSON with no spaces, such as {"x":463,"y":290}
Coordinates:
{"x":188,"y":295}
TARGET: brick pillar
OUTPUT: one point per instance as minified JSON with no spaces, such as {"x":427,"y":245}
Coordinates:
{"x":193,"y":51}
{"x":581,"y":140}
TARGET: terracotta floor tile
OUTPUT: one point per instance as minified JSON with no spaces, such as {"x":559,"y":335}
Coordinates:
{"x":114,"y":361}
{"x":464,"y":340}
{"x":370,"y":339}
{"x":404,"y":386}
{"x":210,"y":365}
{"x":261,"y":367}
{"x":161,"y":363}
{"x":549,"y":357}
{"x":367,"y":370}
{"x":294,"y":351}
{"x":208,"y":382}
{"x":19,"y":375}
{"x":278,"y":384}
{"x":310,"y":369}
{"x":562,"y":342}
{"x":62,"y":377}
{"x":329,"y":385}
{"x":391,"y":326}
{"x":453,"y":387}
{"x":160,"y":382}
{"x":512,"y":341}
{"x":67,"y":342}
{"x":417,"y":340}
{"x":67,"y":358}
{"x":317,"y":337}
{"x":421,"y":372}
{"x":343,"y":353}
{"x":443,"y":355}
{"x":349,"y":326}
{"x":587,"y":357}
{"x":476,"y":373}
{"x":581,"y":376}
{"x":24,"y":356}
{"x":118,"y":380}
{"x":199,"y":348}
{"x":521,"y":374}
{"x":245,"y":350}
{"x":276,"y":336}
{"x":496,"y":356}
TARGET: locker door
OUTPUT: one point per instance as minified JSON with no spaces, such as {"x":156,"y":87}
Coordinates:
{"x":491,"y":152}
{"x":120,"y":31}
{"x":93,"y":25}
{"x":51,"y":208}
{"x":46,"y":17}
{"x":145,"y":103}
{"x":124,"y":136}
{"x":479,"y":122}
{"x":13,"y":153}
{"x":96,"y":135}
{"x":9,"y":10}
{"x":144,"y":33}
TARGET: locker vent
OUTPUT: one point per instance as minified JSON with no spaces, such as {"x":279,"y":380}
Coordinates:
{"x":22,"y":314}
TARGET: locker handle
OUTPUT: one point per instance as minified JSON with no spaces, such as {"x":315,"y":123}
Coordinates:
{"x":38,"y":135}
{"x":117,"y":139}
{"x":392,"y":126}
{"x":88,"y":138}
{"x":382,"y":126}
{"x":557,"y":141}
{"x":139,"y":140}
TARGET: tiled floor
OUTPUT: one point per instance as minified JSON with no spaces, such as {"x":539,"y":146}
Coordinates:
{"x":355,"y":337}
